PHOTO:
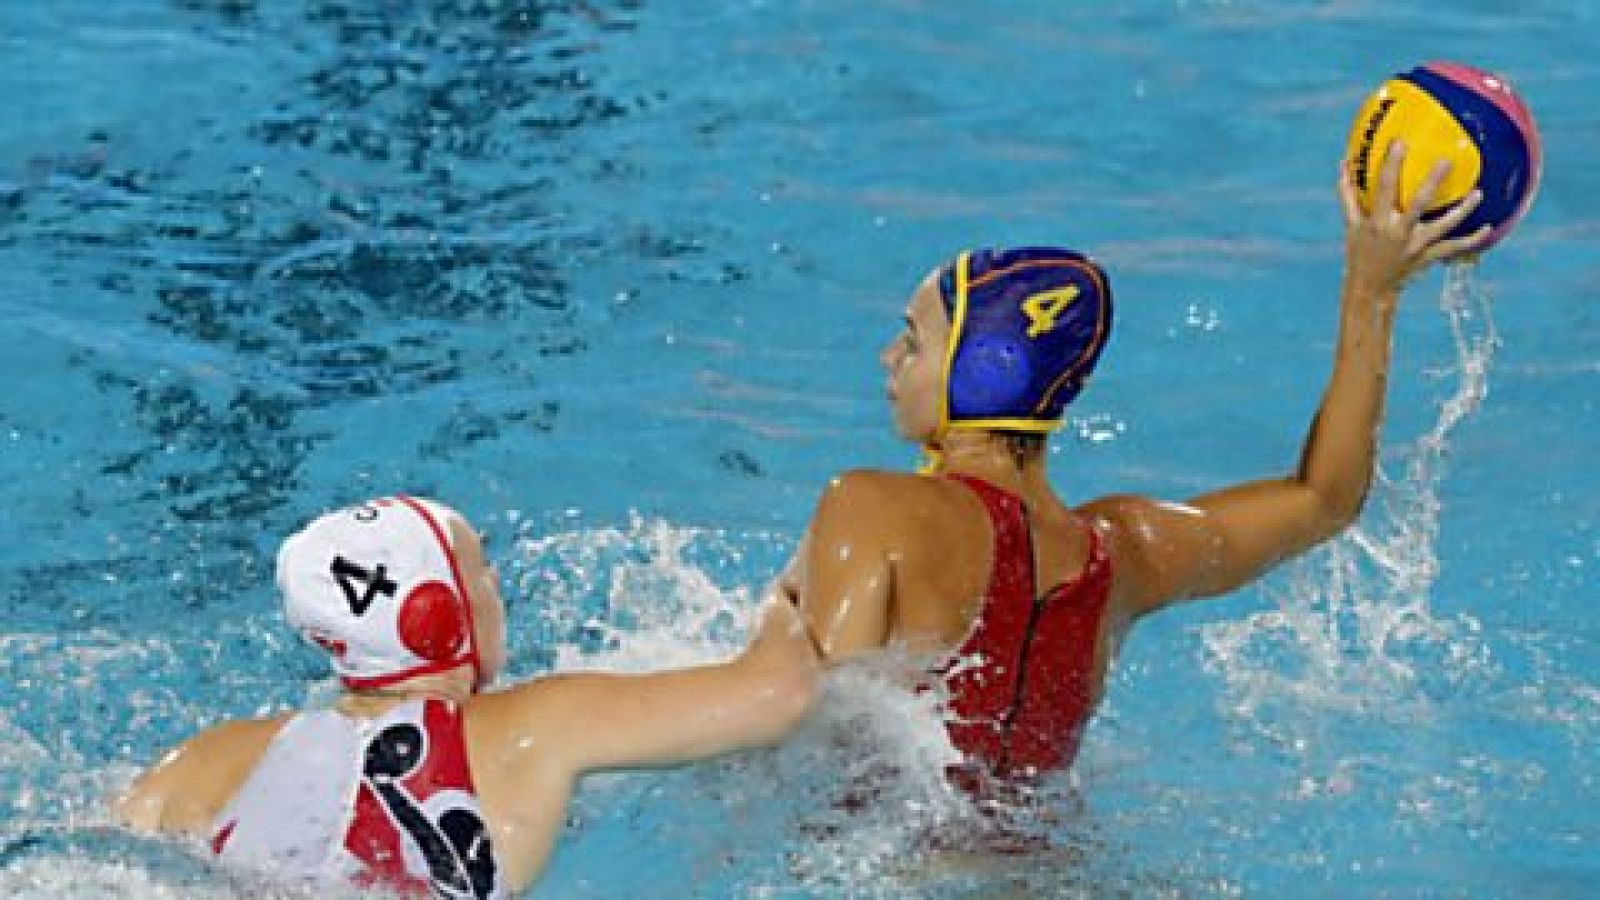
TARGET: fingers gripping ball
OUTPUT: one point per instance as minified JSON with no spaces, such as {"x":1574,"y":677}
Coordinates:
{"x":1448,"y":111}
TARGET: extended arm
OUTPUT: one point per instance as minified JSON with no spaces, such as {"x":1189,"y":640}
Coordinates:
{"x":1222,"y":540}
{"x":607,"y":721}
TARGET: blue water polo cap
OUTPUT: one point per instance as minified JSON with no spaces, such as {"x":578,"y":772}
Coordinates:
{"x":1027,"y":326}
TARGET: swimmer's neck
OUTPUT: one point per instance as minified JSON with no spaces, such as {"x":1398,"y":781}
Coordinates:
{"x":986,"y":455}
{"x":454,"y":686}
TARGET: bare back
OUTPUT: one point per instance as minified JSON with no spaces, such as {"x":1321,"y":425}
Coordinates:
{"x":939,"y":545}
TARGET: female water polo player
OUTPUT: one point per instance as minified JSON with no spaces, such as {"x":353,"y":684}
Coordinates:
{"x":1023,"y":598}
{"x":414,"y":780}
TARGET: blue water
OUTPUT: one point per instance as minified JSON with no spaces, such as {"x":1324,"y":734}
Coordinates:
{"x":611,"y":277}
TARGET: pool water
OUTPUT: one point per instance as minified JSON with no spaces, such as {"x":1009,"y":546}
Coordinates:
{"x":611,"y":277}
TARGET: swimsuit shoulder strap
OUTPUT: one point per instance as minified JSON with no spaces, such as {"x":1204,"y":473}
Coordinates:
{"x":1006,"y":510}
{"x":1011,"y":572}
{"x":1014,"y":535}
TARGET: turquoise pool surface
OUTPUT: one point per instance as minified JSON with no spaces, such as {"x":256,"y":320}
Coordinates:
{"x":611,"y":277}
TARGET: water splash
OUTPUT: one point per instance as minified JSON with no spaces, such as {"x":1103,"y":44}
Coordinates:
{"x":855,"y":804}
{"x":632,"y":598}
{"x":841,"y":806}
{"x":1352,"y":630}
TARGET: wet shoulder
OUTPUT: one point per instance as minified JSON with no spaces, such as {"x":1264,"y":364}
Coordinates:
{"x":530,"y":720}
{"x":898,"y":502}
{"x":883,"y":485}
{"x":916,"y":518}
{"x":189,"y":785}
{"x":1129,"y":527}
{"x":1123,"y":522}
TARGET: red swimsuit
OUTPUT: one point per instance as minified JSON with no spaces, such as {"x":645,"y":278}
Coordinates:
{"x":1021,"y":684}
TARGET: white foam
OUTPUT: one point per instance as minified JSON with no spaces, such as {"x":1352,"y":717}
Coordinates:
{"x":661,"y":611}
{"x":869,"y":733}
{"x":83,"y":877}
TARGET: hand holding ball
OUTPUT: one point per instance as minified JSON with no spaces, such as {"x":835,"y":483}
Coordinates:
{"x":1447,"y":111}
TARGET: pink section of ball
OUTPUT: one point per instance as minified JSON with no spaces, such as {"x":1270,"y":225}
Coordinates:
{"x":1499,"y":92}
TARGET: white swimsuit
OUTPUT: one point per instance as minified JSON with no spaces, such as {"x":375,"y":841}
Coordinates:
{"x":386,"y":801}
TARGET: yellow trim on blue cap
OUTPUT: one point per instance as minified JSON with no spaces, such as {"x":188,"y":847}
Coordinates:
{"x":935,"y":459}
{"x":1039,"y":426}
{"x":958,"y":321}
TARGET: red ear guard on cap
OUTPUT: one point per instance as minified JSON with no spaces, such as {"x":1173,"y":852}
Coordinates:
{"x":431,"y":622}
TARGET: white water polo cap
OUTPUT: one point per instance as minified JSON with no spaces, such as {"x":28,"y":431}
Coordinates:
{"x":379,"y":587}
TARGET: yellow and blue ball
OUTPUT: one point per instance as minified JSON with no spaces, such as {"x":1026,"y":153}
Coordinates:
{"x":1449,"y":111}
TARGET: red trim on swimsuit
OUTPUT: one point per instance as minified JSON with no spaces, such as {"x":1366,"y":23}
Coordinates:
{"x":1021,"y":684}
{"x":375,"y":837}
{"x":220,"y":839}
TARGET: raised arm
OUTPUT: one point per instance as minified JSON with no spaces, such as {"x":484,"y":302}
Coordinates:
{"x":1220,"y":541}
